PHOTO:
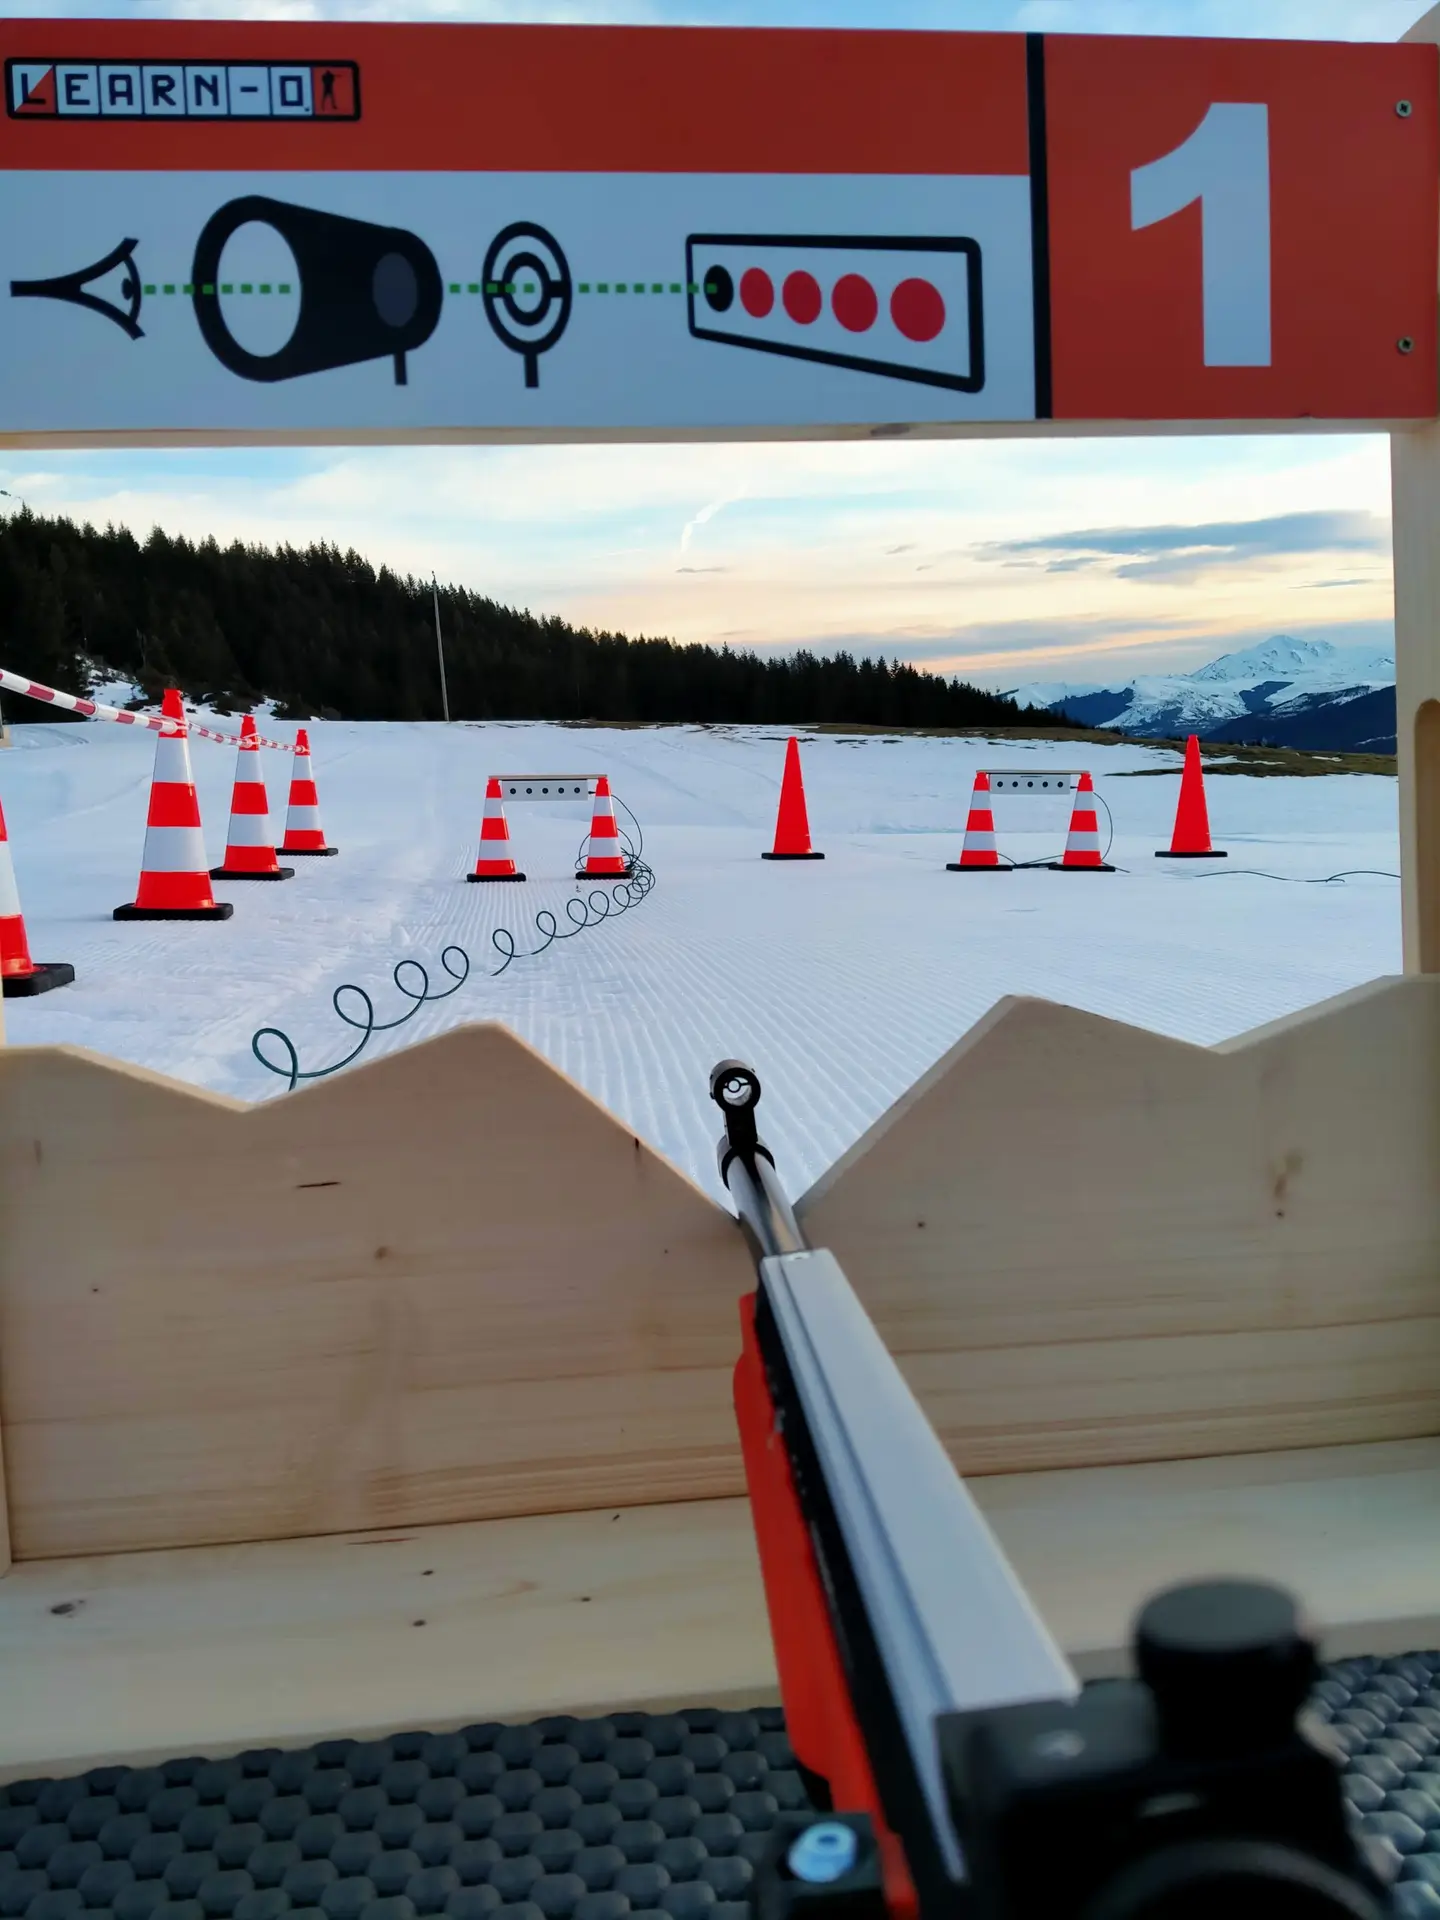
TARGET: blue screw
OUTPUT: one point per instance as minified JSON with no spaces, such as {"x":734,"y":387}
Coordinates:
{"x":824,"y":1852}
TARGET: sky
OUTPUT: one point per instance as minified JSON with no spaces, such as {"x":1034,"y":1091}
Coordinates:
{"x":1008,"y":562}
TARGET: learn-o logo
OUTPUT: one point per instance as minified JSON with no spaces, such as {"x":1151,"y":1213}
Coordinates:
{"x":181,"y":90}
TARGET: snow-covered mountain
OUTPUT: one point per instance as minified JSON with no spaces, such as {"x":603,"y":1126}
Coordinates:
{"x":1282,"y":692}
{"x":1281,"y":658}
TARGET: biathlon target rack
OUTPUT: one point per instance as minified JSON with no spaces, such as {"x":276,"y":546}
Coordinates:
{"x":1039,"y":784}
{"x":547,"y":786}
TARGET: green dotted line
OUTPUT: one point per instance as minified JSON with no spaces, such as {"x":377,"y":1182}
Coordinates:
{"x":456,"y":286}
{"x":583,"y":286}
{"x":225,"y":286}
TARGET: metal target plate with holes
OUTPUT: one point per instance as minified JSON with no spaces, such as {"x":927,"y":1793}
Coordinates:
{"x":547,"y":786}
{"x":1052,"y":781}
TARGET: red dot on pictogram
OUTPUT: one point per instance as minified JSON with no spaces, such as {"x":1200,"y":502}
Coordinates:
{"x":757,"y":292}
{"x":801,"y":294}
{"x":917,"y":309}
{"x":854,"y":303}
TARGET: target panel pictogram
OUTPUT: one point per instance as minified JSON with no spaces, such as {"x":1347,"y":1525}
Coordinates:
{"x":910,"y":308}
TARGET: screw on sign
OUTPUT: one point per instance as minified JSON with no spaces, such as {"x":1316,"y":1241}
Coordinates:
{"x":907,"y":308}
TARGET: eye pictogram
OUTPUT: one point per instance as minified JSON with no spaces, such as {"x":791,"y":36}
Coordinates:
{"x":70,"y":287}
{"x":528,"y":292}
{"x":365,"y":292}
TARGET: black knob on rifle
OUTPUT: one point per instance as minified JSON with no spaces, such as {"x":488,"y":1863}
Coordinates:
{"x":1234,"y":1880}
{"x":1228,"y":1664}
{"x":735,"y":1089}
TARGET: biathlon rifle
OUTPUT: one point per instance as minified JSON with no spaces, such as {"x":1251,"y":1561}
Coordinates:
{"x":957,"y":1768}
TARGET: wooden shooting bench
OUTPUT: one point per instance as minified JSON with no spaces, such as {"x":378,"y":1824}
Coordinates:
{"x":360,"y":1409}
{"x":338,"y":1413}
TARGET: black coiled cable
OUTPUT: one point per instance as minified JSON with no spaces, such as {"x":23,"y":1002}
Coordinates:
{"x":581,"y":910}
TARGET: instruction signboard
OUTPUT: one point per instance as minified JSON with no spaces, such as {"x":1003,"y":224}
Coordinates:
{"x":365,"y":232}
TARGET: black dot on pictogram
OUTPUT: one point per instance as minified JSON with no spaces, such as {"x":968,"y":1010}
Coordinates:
{"x":719,"y":289}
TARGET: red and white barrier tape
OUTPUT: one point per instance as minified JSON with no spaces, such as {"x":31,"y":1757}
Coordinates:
{"x":94,"y":710}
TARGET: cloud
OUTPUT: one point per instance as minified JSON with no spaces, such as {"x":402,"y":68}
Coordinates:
{"x":707,"y":513}
{"x":590,"y":533}
{"x":545,"y":12}
{"x":1307,"y":19}
{"x":1179,"y":555}
{"x":702,"y":569}
{"x":1097,"y":651}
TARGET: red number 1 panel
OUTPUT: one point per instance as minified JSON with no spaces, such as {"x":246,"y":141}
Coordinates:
{"x":1233,"y":229}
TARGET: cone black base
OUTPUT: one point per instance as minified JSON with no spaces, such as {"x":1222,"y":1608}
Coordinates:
{"x":221,"y":910}
{"x":501,"y":877}
{"x":47,"y":974}
{"x":606,"y":878}
{"x":958,"y":866}
{"x":307,"y":853}
{"x":1058,"y":866}
{"x":1211,"y":853}
{"x":224,"y":873}
{"x":792,"y":856}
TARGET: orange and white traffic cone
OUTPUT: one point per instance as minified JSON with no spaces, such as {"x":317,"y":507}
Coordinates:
{"x":303,"y":831}
{"x":978,"y":854}
{"x":1191,"y":838}
{"x":1082,"y":845}
{"x":606,"y":858}
{"x":792,"y":822}
{"x":174,"y":883}
{"x":20,"y":974}
{"x":250,"y":843}
{"x":495,"y":861}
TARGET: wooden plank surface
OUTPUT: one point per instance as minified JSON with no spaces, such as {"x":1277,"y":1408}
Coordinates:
{"x":444,"y":1286}
{"x":1415,"y":501}
{"x":449,"y":1286}
{"x":1415,"y":492}
{"x":1353,"y":1531}
{"x":101,"y":439}
{"x":214,"y":1649}
{"x":210,"y":1650}
{"x":1088,"y":1243}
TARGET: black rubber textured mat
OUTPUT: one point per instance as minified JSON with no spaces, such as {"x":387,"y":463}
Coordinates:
{"x":560,"y":1820}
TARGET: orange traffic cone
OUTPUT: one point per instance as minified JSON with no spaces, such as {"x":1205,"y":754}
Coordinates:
{"x":606,"y":859}
{"x":250,"y":844}
{"x":303,"y":831}
{"x":978,"y":854}
{"x":19,"y":972}
{"x":1191,"y":838}
{"x":792,"y":823}
{"x":495,"y":862}
{"x":1082,"y":847}
{"x":174,"y":884}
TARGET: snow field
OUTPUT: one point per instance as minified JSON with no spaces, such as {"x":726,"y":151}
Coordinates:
{"x":842,"y":980}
